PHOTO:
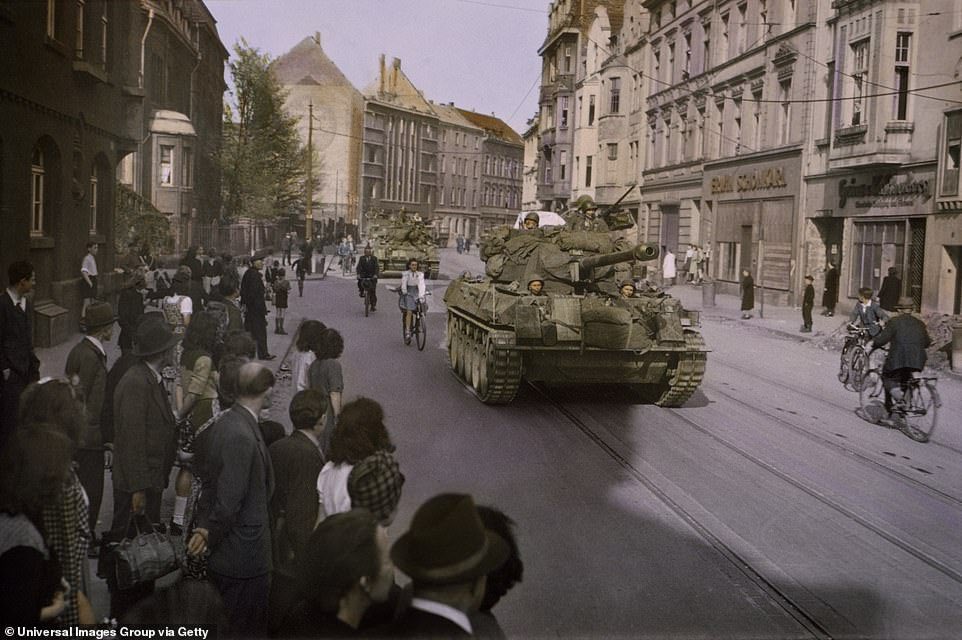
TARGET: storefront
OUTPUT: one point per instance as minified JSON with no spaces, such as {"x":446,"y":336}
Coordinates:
{"x":878,"y":217}
{"x":754,"y":205}
{"x":670,"y":213}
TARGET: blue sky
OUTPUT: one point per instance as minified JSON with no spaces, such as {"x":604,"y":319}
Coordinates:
{"x":480,"y":54}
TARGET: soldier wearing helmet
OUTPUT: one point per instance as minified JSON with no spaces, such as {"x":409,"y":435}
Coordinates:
{"x":531,"y":221}
{"x":583,"y":216}
{"x":536,"y":285}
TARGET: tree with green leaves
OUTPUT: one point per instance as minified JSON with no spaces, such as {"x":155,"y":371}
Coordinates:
{"x":262,"y":158}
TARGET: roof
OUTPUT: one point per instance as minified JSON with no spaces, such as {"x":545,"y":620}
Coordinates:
{"x":493,"y":125}
{"x":394,"y":88}
{"x":450,"y":114}
{"x":307,"y":63}
{"x":171,"y":123}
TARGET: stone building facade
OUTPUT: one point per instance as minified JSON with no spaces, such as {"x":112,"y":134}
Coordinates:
{"x":459,"y":177}
{"x":101,"y":75}
{"x":313,"y":81}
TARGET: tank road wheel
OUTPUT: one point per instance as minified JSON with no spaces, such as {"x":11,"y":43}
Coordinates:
{"x":687,"y":374}
{"x":499,"y":372}
{"x":454,"y":343}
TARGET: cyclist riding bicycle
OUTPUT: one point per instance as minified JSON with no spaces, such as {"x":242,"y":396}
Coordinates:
{"x":907,"y":338}
{"x":345,"y":251}
{"x":367,"y":273}
{"x":867,"y":313}
{"x":413,"y":291}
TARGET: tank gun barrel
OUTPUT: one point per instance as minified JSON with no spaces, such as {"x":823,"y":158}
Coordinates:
{"x":641,"y":252}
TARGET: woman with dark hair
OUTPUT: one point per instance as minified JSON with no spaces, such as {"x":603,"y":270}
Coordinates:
{"x":326,"y":376}
{"x":359,"y":434}
{"x":413,"y":291}
{"x":34,"y":465}
{"x":178,"y":307}
{"x":64,"y":520}
{"x":197,"y":398}
{"x":308,"y":339}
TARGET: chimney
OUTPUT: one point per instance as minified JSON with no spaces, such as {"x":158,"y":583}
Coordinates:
{"x":317,"y":38}
{"x":381,"y":76}
{"x":394,"y":72}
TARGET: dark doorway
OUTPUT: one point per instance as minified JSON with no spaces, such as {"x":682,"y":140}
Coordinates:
{"x":955,"y":255}
{"x":669,"y":227}
{"x":746,"y":259}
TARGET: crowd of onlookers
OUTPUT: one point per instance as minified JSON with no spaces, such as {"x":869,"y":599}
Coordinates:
{"x":278,"y":534}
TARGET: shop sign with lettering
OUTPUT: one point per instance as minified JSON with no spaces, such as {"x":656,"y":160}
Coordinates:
{"x":883,"y":191}
{"x":761,"y":179}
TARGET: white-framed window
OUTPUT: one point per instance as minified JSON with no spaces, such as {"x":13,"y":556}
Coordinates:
{"x":903,"y":59}
{"x":614,"y":105}
{"x":188,"y":162}
{"x":567,"y":62}
{"x":859,"y":76}
{"x":671,"y":62}
{"x":785,"y":111}
{"x":564,"y":111}
{"x":166,"y":165}
{"x":576,"y":173}
{"x":93,"y":192}
{"x":475,"y":169}
{"x":952,"y":156}
{"x":591,"y":109}
{"x":38,"y":177}
{"x":737,"y":131}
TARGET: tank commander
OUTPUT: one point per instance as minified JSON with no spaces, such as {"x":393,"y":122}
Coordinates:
{"x":531,"y":221}
{"x":585,"y":216}
{"x":536,"y":285}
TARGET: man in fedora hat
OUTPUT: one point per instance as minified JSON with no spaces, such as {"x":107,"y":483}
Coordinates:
{"x":447,"y":553}
{"x":87,"y":365}
{"x":130,"y":307}
{"x":253,"y":300}
{"x":907,"y":338}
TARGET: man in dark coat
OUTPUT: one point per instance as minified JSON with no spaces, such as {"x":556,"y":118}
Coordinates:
{"x":888,"y":295}
{"x":19,"y":365}
{"x":368,"y":270}
{"x":808,"y":303}
{"x":253,"y":300}
{"x":130,"y":308}
{"x":908,"y":339}
{"x":233,"y":517}
{"x":297,"y":461}
{"x":830,"y":294}
{"x":447,"y":553}
{"x":87,"y":365}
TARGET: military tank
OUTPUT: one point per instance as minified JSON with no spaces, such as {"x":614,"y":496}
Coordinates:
{"x":396,"y":238}
{"x":579,"y":329}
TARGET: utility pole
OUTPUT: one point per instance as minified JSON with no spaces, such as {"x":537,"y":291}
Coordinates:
{"x":309,"y":212}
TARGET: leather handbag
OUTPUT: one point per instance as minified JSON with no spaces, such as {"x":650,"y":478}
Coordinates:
{"x":146,"y":555}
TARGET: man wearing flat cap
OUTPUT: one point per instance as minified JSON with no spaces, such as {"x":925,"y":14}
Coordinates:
{"x":447,"y":553}
{"x":87,"y":365}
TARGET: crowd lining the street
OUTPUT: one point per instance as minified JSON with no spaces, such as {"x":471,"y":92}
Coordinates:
{"x":281,"y":535}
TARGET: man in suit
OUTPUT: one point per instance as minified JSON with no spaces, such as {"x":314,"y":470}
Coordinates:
{"x":19,"y":365}
{"x":253,"y":300}
{"x":368,"y":270}
{"x":830,"y":293}
{"x":87,"y":366}
{"x":233,"y":517}
{"x":447,"y":553}
{"x":891,"y":290}
{"x":908,"y":339}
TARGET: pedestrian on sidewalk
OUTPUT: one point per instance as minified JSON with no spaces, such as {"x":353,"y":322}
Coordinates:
{"x":308,"y":341}
{"x":130,"y":307}
{"x":87,"y":366}
{"x":19,"y":365}
{"x":326,"y":376}
{"x":668,"y":267}
{"x":282,"y":288}
{"x":891,"y":290}
{"x":830,"y":295}
{"x":748,"y":294}
{"x":88,"y":276}
{"x":254,"y":302}
{"x":808,"y":303}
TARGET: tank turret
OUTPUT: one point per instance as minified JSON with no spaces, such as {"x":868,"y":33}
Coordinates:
{"x":640,"y":252}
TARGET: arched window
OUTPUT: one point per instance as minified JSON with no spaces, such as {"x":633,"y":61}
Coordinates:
{"x":38,"y":178}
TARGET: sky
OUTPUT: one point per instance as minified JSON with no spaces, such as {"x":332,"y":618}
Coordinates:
{"x":480,"y":54}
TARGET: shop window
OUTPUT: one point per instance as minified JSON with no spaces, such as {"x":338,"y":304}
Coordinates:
{"x":876,"y":246}
{"x":951,"y":159}
{"x":729,"y":257}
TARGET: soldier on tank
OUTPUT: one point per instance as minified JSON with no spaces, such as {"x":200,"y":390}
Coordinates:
{"x":584,"y":216}
{"x":531,"y":221}
{"x":536,"y":285}
{"x":626,"y":289}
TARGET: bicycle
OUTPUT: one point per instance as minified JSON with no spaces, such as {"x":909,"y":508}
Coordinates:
{"x":916,"y":412}
{"x":419,"y":327}
{"x":347,"y":264}
{"x":854,"y":361}
{"x":367,"y":288}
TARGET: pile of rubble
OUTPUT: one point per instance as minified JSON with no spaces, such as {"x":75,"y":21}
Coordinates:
{"x":940,"y":328}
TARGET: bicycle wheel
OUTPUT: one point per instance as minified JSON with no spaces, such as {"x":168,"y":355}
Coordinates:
{"x":421,"y":333}
{"x":871,"y":394}
{"x":845,"y":364}
{"x":859,"y":368}
{"x":367,"y":301}
{"x":920,"y":413}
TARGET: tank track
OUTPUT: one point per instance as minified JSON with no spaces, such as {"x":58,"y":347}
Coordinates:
{"x":688,"y":373}
{"x":492,"y":373}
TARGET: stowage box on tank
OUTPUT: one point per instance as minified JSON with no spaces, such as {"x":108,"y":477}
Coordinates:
{"x":578,"y":330}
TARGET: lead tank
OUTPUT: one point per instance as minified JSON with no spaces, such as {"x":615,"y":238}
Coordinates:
{"x":579,"y":330}
{"x":396,"y":238}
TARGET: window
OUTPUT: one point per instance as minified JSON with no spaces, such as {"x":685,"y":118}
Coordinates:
{"x":876,"y":246}
{"x":587,"y":171}
{"x":93,"y":202}
{"x":567,"y":62}
{"x":37,"y":185}
{"x":591,"y":110}
{"x":612,"y":150}
{"x":475,"y":168}
{"x":667,"y":151}
{"x":686,"y":70}
{"x":652,"y":133}
{"x":698,"y":135}
{"x":763,"y":15}
{"x":52,"y":19}
{"x":443,"y":164}
{"x":562,"y":164}
{"x":737,"y":132}
{"x":615,"y":104}
{"x":859,"y":73}
{"x":79,"y":32}
{"x":785,"y":112}
{"x":671,"y":63}
{"x":166,"y":165}
{"x":903,"y":53}
{"x":723,"y":42}
{"x":756,"y":121}
{"x":706,"y":46}
{"x":188,"y":178}
{"x":683,"y":137}
{"x":564,"y":111}
{"x":788,"y":19}
{"x":441,"y":196}
{"x":951,"y":161}
{"x":576,"y":173}
{"x":656,"y":67}
{"x":103,"y":36}
{"x":742,"y":28}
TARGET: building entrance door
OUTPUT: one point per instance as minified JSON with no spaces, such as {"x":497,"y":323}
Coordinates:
{"x":669,"y":227}
{"x":745,"y":251}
